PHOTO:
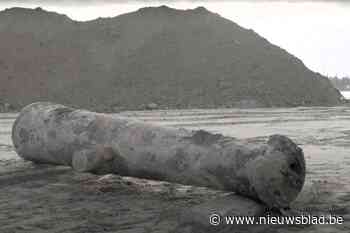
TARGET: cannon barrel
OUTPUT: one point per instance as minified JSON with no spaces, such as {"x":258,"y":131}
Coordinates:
{"x":272,"y":172}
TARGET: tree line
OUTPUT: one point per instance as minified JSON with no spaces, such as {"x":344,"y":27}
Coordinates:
{"x":342,"y":84}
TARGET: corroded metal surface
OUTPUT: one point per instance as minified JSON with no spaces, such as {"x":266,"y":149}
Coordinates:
{"x":273,"y":173}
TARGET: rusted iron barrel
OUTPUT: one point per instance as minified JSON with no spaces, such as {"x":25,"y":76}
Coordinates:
{"x":271,"y":172}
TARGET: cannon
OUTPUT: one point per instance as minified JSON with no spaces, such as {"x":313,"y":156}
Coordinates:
{"x":272,"y":173}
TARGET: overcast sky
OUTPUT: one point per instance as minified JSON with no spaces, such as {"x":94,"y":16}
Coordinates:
{"x":318,"y":32}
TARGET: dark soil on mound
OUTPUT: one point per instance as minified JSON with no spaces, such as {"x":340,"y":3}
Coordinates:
{"x":160,"y":56}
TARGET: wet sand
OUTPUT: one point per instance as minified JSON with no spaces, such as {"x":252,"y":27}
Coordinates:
{"x":57,"y":199}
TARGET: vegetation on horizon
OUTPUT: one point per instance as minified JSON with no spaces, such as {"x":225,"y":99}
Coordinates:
{"x":342,"y":84}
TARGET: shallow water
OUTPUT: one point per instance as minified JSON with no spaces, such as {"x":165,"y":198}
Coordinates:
{"x":6,"y":148}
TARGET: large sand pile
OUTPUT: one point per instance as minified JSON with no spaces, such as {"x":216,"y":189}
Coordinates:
{"x":174,"y":58}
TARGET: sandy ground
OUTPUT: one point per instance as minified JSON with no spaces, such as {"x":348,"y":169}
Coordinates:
{"x":56,"y":199}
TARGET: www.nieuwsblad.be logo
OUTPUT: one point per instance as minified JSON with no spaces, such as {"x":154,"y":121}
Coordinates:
{"x":216,"y":219}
